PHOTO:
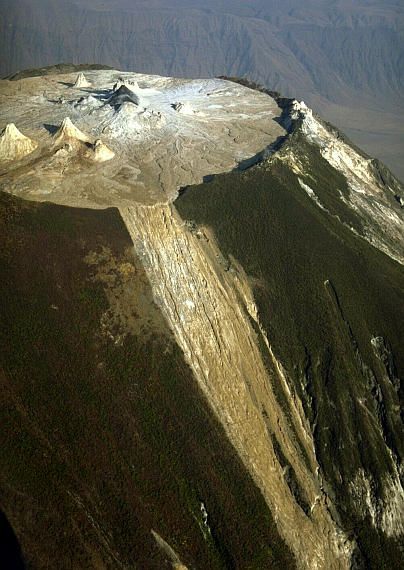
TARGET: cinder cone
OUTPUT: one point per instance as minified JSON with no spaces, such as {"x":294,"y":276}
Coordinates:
{"x":69,"y":132}
{"x":14,"y":145}
{"x":81,"y":81}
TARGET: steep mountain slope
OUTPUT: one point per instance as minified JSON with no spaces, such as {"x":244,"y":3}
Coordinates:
{"x":105,"y":435}
{"x":207,"y":377}
{"x":331,"y":307}
{"x":344,"y":58}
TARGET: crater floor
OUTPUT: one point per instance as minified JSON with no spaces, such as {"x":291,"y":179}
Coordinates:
{"x":179,"y":132}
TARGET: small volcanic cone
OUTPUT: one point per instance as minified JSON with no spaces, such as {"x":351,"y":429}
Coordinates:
{"x":101,"y":152}
{"x":123,"y":95}
{"x":81,"y":81}
{"x":14,"y":145}
{"x":68,"y":132}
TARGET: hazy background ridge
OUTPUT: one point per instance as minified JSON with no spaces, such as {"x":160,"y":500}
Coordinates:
{"x":344,"y":58}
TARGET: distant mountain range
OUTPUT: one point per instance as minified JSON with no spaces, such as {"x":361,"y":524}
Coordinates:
{"x":344,"y":58}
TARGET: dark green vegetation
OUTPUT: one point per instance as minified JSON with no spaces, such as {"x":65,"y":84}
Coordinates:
{"x":104,"y":433}
{"x":322,"y":294}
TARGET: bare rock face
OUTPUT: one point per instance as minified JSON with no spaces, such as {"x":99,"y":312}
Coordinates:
{"x":81,"y":81}
{"x":69,"y":132}
{"x":370,"y":193}
{"x":14,"y":145}
{"x":195,"y":295}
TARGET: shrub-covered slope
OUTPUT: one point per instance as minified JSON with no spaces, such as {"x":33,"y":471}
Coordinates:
{"x":332,"y":308}
{"x":105,"y":435}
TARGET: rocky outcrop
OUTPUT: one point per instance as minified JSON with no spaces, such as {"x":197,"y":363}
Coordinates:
{"x":15,"y":145}
{"x":130,"y":84}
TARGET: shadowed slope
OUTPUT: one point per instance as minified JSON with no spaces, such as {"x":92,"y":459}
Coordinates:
{"x":105,"y":436}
